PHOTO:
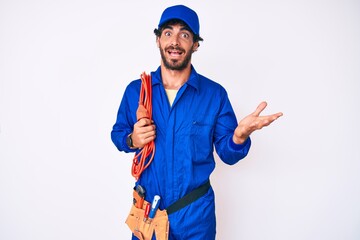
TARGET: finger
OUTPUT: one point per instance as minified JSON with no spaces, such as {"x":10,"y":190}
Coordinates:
{"x":140,"y":131}
{"x":146,"y":138}
{"x":279,"y":114}
{"x":267,"y":120}
{"x":148,"y":128}
{"x":260,"y":108}
{"x":149,"y":136}
{"x":275,"y":116}
{"x":143,"y":122}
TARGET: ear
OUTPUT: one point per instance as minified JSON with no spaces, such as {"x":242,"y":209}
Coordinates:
{"x":195,"y":46}
{"x":157,"y":42}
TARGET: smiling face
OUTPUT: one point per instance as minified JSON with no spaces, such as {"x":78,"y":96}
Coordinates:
{"x":176,"y":46}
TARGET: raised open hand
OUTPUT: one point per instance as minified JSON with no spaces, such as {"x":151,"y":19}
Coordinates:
{"x":252,"y":123}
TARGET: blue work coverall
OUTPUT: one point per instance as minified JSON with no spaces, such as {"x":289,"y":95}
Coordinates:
{"x":200,"y":118}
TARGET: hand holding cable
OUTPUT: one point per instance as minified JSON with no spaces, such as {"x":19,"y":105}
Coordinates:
{"x":145,"y":129}
{"x":143,"y":133}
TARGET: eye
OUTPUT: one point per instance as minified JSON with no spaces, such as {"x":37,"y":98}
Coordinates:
{"x":167,"y":33}
{"x":185,"y":35}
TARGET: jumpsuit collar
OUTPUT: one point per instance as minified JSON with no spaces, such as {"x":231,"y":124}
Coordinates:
{"x":193,"y":80}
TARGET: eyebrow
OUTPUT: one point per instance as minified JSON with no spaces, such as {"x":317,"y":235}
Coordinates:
{"x":181,"y":29}
{"x":185,"y":28}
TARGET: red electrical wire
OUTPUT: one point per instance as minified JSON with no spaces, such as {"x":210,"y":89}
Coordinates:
{"x":144,"y":111}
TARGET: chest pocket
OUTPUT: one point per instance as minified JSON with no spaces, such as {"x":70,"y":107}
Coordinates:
{"x":202,"y":131}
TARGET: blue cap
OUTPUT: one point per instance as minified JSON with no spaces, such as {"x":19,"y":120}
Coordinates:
{"x":183,"y":13}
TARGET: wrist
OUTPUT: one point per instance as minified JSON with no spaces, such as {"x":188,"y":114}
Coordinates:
{"x":129,"y":141}
{"x":239,"y":139}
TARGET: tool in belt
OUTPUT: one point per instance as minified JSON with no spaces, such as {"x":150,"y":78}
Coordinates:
{"x":145,"y":218}
{"x":143,"y":224}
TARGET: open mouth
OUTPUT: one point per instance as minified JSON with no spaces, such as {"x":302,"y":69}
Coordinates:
{"x":174,"y":52}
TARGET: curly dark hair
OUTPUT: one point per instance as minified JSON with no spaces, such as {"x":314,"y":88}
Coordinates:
{"x":158,"y":32}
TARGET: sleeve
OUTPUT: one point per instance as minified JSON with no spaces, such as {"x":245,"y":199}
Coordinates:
{"x":126,"y":117}
{"x":229,"y":152}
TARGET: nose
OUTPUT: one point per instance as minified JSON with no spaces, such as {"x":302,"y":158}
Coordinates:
{"x":174,"y":40}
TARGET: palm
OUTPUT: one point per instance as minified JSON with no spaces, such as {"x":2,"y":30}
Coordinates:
{"x":253,"y":122}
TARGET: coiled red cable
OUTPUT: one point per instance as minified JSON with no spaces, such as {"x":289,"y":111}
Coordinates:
{"x":144,"y":111}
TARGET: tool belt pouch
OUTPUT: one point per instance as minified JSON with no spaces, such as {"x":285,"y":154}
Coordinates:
{"x":144,"y":230}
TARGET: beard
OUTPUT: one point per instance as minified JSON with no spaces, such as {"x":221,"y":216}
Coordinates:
{"x":177,"y":65}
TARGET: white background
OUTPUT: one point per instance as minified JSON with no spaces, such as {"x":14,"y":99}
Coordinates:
{"x":63,"y":69}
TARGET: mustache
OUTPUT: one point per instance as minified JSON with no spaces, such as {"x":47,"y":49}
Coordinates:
{"x":174,"y":48}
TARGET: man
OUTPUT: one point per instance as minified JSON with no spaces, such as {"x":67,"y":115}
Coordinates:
{"x":191,"y":115}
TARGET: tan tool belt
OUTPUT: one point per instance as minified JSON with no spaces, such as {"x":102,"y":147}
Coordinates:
{"x":144,"y":230}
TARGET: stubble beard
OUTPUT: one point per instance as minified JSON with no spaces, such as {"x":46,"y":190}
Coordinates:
{"x":175,"y":64}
